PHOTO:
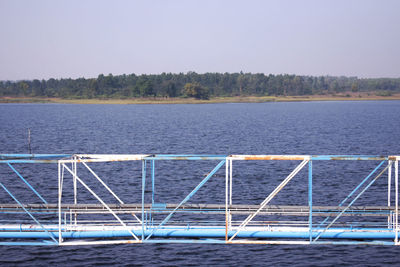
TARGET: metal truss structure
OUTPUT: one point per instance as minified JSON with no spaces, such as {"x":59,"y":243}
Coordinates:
{"x":67,"y":221}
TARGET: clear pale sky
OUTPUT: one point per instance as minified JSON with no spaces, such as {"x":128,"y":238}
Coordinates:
{"x":83,"y":38}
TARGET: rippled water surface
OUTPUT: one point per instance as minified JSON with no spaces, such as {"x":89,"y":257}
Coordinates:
{"x":368,"y":127}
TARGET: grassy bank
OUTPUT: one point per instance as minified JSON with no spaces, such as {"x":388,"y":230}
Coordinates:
{"x":234,"y":99}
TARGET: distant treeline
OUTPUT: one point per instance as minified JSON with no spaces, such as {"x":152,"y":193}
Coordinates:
{"x":195,"y":85}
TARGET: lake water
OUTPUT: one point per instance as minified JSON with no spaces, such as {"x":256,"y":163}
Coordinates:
{"x":312,"y":128}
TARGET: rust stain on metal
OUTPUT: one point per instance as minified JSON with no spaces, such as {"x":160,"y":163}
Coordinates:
{"x":226,"y":227}
{"x":358,"y":158}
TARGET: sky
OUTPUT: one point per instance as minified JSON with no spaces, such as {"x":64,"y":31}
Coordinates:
{"x":84,"y":38}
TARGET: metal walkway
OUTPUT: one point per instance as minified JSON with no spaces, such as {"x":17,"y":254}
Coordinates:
{"x":67,"y":221}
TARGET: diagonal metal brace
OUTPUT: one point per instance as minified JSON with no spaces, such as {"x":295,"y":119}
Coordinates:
{"x":101,"y":201}
{"x":188,"y":197}
{"x":26,"y":182}
{"x":271,"y":196}
{"x":30,"y":215}
{"x":108,"y":188}
{"x":351,"y":203}
{"x":353,"y":192}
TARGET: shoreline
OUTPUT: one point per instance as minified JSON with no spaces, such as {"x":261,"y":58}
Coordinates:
{"x":178,"y":100}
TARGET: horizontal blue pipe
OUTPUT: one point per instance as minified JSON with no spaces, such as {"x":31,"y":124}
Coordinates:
{"x":348,"y":157}
{"x":202,"y":241}
{"x":208,"y":228}
{"x":197,"y":233}
{"x":31,"y":158}
{"x":13,"y":161}
{"x":28,"y":243}
{"x":219,"y":241}
{"x":35,"y":156}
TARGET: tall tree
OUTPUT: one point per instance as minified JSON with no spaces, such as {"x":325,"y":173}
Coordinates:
{"x":196,"y":90}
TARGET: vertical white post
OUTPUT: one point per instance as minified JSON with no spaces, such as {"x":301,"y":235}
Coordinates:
{"x":389,"y":187}
{"x":396,"y":173}
{"x":59,"y":203}
{"x":230,"y":190}
{"x":226,"y":197}
{"x":75,"y":186}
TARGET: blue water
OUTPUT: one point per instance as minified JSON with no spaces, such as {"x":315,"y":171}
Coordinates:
{"x":368,"y":127}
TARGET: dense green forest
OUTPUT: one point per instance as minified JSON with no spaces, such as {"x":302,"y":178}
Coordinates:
{"x":192,"y":84}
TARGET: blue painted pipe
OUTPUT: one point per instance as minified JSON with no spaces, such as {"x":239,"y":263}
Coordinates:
{"x":200,"y":233}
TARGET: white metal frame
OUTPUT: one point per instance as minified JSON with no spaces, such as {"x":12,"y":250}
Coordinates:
{"x":231,"y":232}
{"x":304,"y":161}
{"x":84,"y":159}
